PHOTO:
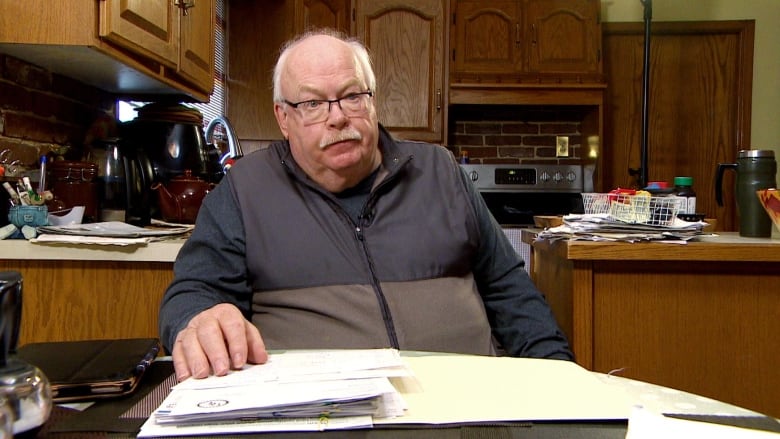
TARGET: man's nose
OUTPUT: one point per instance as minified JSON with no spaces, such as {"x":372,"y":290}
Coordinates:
{"x":335,"y":113}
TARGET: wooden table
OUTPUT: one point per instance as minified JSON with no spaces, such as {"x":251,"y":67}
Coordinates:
{"x":79,"y":292}
{"x":703,"y":317}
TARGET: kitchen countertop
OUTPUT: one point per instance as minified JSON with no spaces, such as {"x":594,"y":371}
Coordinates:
{"x":158,"y":251}
{"x":723,"y":246}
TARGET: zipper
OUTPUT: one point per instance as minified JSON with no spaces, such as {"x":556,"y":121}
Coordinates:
{"x":366,"y":217}
{"x":384,"y":308}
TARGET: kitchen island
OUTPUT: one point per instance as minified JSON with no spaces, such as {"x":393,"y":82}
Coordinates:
{"x":703,"y":317}
{"x":79,"y":292}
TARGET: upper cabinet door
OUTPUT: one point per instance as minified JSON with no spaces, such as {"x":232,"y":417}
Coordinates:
{"x":564,"y":36}
{"x":148,"y":27}
{"x":323,"y":13}
{"x":407,"y":43}
{"x":486,"y":37}
{"x":196,"y":62}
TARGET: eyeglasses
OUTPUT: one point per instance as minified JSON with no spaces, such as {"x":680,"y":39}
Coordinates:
{"x":317,"y":110}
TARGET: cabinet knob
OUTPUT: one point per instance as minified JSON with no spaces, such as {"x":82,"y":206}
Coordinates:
{"x":184,"y":5}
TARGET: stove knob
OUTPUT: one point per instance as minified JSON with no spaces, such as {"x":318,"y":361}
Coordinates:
{"x":545,"y":177}
{"x":558,"y":177}
{"x":571,"y":176}
{"x":474,"y":175}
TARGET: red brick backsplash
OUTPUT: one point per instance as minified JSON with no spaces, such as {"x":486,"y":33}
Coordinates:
{"x":42,"y":112}
{"x":488,"y":141}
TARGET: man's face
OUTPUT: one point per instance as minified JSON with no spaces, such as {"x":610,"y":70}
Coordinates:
{"x":339,"y":148}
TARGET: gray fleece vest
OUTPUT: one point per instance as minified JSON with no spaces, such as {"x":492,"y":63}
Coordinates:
{"x":399,"y":277}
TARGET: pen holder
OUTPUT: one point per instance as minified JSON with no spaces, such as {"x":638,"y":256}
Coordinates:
{"x":33,"y":216}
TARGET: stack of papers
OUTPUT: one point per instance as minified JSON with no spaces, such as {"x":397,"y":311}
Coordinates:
{"x":302,"y":390}
{"x":604,"y":227}
{"x":110,"y":232}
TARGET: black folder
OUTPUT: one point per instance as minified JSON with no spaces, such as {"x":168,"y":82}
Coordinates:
{"x":91,"y":369}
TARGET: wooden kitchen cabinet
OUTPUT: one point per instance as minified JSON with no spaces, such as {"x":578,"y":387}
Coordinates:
{"x":486,"y":38}
{"x":179,"y":35}
{"x":526,"y":41}
{"x":699,"y":317}
{"x":133,"y":48}
{"x":83,"y":292}
{"x":253,"y":55}
{"x":564,"y":36}
{"x":407,"y":44}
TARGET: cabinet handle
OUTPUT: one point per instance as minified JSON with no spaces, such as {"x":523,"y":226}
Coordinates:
{"x":438,"y":99}
{"x":533,"y":33}
{"x":517,"y":35}
{"x":184,"y":5}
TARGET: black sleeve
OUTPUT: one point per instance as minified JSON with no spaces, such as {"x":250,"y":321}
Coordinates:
{"x":210,"y":268}
{"x":521,"y":319}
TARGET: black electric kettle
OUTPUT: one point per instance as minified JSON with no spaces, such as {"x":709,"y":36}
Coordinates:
{"x":756,"y":169}
{"x":171,"y":137}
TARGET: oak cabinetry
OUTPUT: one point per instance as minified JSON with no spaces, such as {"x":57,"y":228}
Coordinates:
{"x":485,"y":38}
{"x":81,"y":292}
{"x":164,"y":32}
{"x":407,"y":43}
{"x":257,"y":29}
{"x":196,"y":55}
{"x":323,"y":13}
{"x":526,"y":41}
{"x":133,"y":48}
{"x":700,"y":317}
{"x":406,"y":39}
{"x":564,"y":36}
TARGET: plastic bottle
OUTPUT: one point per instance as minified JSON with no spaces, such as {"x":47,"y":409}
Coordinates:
{"x":683,"y":188}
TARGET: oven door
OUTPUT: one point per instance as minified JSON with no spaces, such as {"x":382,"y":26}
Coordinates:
{"x":517,"y":209}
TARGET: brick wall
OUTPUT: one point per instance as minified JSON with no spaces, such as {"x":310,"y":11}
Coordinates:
{"x":514,"y":134}
{"x":42,"y":113}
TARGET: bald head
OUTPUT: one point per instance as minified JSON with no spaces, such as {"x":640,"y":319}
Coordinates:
{"x":319,"y":51}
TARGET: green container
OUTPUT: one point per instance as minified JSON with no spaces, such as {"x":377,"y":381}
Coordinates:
{"x":756,"y":169}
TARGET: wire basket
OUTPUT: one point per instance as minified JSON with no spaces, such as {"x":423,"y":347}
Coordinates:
{"x":635,"y":209}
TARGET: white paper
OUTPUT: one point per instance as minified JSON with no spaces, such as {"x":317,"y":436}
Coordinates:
{"x":296,"y":366}
{"x":313,"y":399}
{"x":150,"y":429}
{"x":114,"y":229}
{"x":303,"y":385}
{"x":442,"y":389}
{"x":94,"y":240}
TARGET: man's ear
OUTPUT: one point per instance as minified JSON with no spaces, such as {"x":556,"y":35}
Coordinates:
{"x":281,"y":119}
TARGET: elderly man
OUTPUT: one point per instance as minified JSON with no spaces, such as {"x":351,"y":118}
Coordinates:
{"x":343,"y":237}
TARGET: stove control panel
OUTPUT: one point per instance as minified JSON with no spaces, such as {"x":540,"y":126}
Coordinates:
{"x":525,"y":178}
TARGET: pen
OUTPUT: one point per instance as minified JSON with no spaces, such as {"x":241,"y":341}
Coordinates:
{"x":42,"y":180}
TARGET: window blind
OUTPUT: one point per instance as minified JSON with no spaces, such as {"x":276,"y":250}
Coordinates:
{"x":216,"y":105}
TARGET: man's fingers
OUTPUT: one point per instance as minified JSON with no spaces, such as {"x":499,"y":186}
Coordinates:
{"x":257,"y":353}
{"x":215,"y":341}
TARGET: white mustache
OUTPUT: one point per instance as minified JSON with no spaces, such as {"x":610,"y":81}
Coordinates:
{"x":346,"y":134}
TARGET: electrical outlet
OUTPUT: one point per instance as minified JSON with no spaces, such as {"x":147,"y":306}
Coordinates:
{"x":561,"y":146}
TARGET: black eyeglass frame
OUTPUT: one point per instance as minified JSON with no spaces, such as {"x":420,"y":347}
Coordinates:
{"x":330,"y":102}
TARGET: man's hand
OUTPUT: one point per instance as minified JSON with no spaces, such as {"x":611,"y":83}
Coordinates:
{"x":218,"y":339}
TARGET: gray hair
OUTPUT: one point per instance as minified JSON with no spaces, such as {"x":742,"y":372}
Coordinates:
{"x":359,"y":52}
